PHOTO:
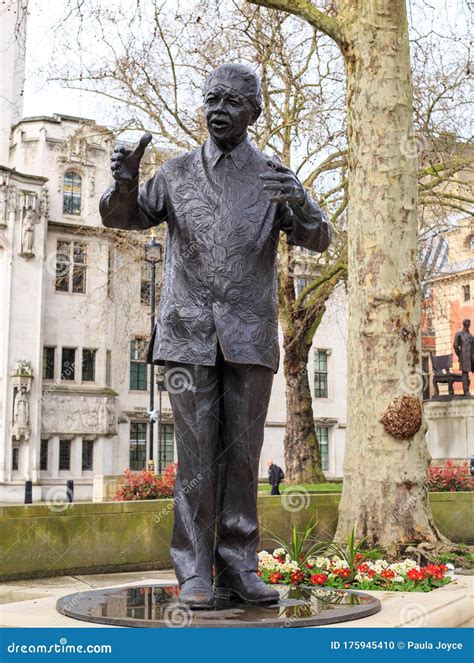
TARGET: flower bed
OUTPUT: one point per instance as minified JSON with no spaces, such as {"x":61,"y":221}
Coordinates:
{"x":145,"y":485}
{"x":450,"y":478}
{"x":406,"y":575}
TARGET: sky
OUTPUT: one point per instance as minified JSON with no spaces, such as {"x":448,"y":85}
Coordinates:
{"x":43,"y":49}
{"x":41,"y":97}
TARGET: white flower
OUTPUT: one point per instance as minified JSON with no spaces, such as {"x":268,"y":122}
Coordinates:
{"x":279,"y":552}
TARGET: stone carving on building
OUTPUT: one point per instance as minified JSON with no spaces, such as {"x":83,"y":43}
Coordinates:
{"x":13,"y":203}
{"x":78,"y":415}
{"x":22,"y":376}
{"x":44,"y":205}
{"x":3,"y":204}
{"x":29,"y":220}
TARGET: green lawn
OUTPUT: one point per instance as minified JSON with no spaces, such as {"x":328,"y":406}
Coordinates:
{"x":311,"y":487}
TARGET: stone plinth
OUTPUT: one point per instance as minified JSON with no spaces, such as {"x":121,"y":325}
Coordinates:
{"x":450,"y":428}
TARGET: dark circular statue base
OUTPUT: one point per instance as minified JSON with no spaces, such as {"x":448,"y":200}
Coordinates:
{"x":156,"y":606}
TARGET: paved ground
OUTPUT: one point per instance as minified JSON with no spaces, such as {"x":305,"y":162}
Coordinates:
{"x":31,"y":603}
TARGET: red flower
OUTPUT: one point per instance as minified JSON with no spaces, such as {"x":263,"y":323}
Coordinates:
{"x":371,"y":573}
{"x":359,"y":556}
{"x":318,"y":579}
{"x":275,"y":577}
{"x":388,"y":574}
{"x":363,"y":568}
{"x":296,"y":577}
{"x":414,"y":574}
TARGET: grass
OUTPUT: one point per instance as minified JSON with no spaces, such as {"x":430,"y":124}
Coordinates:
{"x":310,"y":487}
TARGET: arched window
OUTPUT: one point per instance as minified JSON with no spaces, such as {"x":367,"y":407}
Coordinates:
{"x":72,"y":193}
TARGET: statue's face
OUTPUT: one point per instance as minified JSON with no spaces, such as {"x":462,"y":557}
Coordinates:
{"x":228,"y":109}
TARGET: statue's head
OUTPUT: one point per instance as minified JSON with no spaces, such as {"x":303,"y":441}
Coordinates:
{"x":466,"y":323}
{"x":232,"y":102}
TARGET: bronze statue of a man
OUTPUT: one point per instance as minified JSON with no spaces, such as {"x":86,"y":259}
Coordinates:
{"x":464,"y":349}
{"x":225,"y":205}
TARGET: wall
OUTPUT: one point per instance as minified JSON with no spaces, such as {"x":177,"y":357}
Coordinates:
{"x":38,"y":541}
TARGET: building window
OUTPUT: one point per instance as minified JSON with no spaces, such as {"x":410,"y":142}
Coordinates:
{"x":145,"y":283}
{"x":425,"y":369}
{"x":322,"y":434}
{"x":72,"y":193}
{"x":167,"y":445}
{"x":70,"y":267}
{"x":68,"y":364}
{"x":137,"y":445}
{"x":466,"y":289}
{"x":44,"y":455}
{"x":88,"y":365}
{"x":138,"y":365}
{"x":87,"y":455}
{"x":321,"y":374}
{"x":64,"y":454}
{"x":48,"y":363}
{"x":15,"y":458}
{"x":108,"y":368}
{"x":300,"y":284}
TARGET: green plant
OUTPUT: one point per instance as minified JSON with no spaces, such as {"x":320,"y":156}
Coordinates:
{"x":301,"y":546}
{"x":351,"y":552}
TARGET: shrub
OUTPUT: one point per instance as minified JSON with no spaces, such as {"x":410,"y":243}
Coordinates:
{"x":450,"y":477}
{"x":145,"y":485}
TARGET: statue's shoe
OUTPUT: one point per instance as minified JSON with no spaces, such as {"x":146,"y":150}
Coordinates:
{"x":245,"y":586}
{"x":196,"y":593}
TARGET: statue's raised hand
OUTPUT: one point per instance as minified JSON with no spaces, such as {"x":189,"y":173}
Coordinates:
{"x":125,"y":163}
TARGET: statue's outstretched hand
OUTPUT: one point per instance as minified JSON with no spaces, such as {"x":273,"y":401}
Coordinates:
{"x":282,"y":185}
{"x":125,"y":163}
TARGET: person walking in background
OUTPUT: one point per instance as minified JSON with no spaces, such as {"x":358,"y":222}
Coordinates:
{"x":275,"y":477}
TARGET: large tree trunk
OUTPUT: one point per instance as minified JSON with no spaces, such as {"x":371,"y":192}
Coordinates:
{"x":386,"y":461}
{"x":302,"y":454}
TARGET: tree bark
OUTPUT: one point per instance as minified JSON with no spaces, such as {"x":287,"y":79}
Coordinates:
{"x":302,"y":454}
{"x":385,"y":492}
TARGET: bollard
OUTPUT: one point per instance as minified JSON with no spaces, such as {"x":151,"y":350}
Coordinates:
{"x":28,"y":492}
{"x":70,"y":491}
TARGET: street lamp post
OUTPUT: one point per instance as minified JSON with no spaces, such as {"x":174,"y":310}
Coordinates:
{"x":153,"y":255}
{"x":160,"y":382}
